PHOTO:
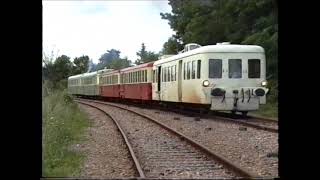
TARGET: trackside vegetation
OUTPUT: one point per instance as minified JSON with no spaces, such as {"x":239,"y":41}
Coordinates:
{"x":63,"y":127}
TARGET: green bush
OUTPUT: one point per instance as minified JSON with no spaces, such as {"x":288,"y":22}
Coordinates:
{"x":63,"y":126}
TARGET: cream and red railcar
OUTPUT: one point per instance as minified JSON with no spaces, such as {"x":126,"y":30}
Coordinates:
{"x":219,"y":77}
{"x":135,"y":82}
{"x":109,"y":84}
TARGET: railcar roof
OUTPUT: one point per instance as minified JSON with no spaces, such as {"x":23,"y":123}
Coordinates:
{"x":75,"y":76}
{"x":149,"y":64}
{"x":89,"y":74}
{"x":104,"y":70}
{"x":230,"y":48}
{"x":110,"y":72}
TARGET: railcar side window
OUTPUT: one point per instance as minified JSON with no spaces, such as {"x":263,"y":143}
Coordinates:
{"x":254,"y":70}
{"x":145,"y":76}
{"x":215,"y":68}
{"x":193,"y":69}
{"x":165,"y":75}
{"x":175,"y":72}
{"x":169,"y":74}
{"x":198,"y":69}
{"x":188,"y":70}
{"x":184,"y":70}
{"x":235,"y":68}
{"x":136,"y":76}
{"x":172,"y":74}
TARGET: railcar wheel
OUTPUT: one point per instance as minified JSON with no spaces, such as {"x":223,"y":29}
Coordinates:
{"x":244,"y":113}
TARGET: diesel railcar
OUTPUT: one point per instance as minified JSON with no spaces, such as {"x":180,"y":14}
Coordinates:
{"x":222,"y":77}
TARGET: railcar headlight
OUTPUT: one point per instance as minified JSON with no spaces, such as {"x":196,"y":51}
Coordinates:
{"x":264,"y":83}
{"x":205,"y":83}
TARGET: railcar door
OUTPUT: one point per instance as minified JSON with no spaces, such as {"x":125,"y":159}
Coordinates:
{"x":180,"y":81}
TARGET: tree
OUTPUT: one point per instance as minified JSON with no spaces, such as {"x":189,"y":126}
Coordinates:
{"x":146,"y":56}
{"x":172,"y":46}
{"x":106,"y":59}
{"x":82,"y":64}
{"x":62,"y":68}
{"x":57,"y":71}
{"x":120,"y":63}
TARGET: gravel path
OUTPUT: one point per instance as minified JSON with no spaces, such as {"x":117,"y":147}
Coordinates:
{"x":254,"y":149}
{"x":107,"y":155}
{"x":162,"y":154}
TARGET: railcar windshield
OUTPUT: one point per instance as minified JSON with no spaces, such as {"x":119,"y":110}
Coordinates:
{"x":254,"y":68}
{"x":215,"y":68}
{"x":235,"y":68}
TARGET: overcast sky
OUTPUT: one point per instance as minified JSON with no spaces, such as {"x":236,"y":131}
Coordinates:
{"x":76,"y":28}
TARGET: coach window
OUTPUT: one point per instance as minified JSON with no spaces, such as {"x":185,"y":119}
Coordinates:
{"x":254,"y":70}
{"x":169,"y":73}
{"x":132,"y":74}
{"x":184,"y":70}
{"x":156,"y":76}
{"x":171,"y":69}
{"x":175,"y":72}
{"x":198,"y":69}
{"x":215,"y":68}
{"x":136,"y":76}
{"x":129,"y":80}
{"x":193,"y":69}
{"x":165,"y":74}
{"x":142,"y":76}
{"x":235,"y":68}
{"x":188,"y":70}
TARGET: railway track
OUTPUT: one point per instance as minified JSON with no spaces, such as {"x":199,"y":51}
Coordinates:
{"x":248,"y":121}
{"x":164,"y":152}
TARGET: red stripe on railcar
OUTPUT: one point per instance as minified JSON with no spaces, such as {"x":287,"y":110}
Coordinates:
{"x":110,"y":91}
{"x":142,"y":91}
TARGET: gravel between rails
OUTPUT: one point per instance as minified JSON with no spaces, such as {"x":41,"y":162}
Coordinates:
{"x":162,"y":154}
{"x":255,"y":149}
{"x":107,"y":155}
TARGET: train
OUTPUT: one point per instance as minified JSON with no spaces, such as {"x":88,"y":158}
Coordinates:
{"x":220,"y":77}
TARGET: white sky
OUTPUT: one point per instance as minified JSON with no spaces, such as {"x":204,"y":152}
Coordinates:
{"x":77,"y":28}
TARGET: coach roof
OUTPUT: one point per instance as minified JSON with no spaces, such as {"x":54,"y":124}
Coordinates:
{"x":221,"y":48}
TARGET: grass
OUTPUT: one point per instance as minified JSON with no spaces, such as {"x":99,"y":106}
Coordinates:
{"x":63,"y":126}
{"x":269,"y":110}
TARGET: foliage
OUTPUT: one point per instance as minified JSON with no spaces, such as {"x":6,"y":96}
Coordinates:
{"x":82,"y":64}
{"x":146,"y":56}
{"x":63,"y":126}
{"x":57,"y":71}
{"x":111,"y":60}
{"x":172,"y":46}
